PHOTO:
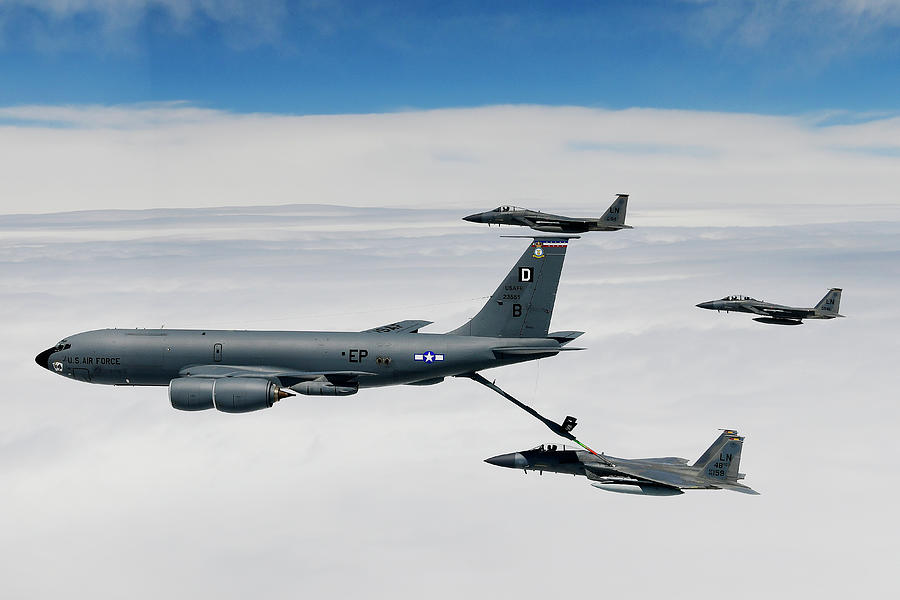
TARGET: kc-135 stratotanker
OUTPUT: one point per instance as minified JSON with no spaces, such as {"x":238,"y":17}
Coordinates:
{"x":243,"y":371}
{"x":716,"y":469}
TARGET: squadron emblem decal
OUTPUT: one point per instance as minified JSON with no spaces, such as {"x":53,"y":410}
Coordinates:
{"x":429,"y":357}
{"x":538,"y":250}
{"x":57,"y":366}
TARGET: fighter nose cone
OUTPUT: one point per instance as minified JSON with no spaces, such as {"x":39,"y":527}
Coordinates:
{"x":476,"y":218}
{"x":705,"y":305}
{"x":513,"y":460}
{"x":43,"y":358}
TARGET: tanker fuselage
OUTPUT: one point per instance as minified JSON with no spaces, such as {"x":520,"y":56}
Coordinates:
{"x":153,"y":357}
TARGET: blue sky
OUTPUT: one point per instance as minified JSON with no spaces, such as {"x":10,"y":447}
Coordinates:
{"x":785,"y":57}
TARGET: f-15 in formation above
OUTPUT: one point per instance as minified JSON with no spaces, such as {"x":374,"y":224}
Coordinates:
{"x":612,"y":220}
{"x":777,"y":314}
{"x":243,"y":371}
{"x":716,"y":469}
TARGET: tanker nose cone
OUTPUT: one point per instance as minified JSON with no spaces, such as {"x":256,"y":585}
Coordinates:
{"x":476,"y":218}
{"x":513,"y":460}
{"x":43,"y":358}
{"x":708,"y":305}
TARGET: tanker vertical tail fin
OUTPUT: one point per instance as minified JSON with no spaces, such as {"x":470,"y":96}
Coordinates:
{"x":522,"y":304}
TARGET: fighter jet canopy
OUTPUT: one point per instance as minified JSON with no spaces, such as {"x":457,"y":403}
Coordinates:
{"x":508,"y":208}
{"x":553,"y":447}
{"x":736,"y":297}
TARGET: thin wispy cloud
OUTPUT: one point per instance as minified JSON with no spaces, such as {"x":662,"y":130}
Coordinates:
{"x":821,"y":30}
{"x":817,"y":31}
{"x":132,"y":117}
{"x":109,"y":26}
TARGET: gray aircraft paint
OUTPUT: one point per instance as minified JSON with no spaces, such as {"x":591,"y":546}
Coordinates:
{"x":717,"y":468}
{"x":611,"y":220}
{"x":529,"y":290}
{"x":778,"y":314}
{"x":512,"y":327}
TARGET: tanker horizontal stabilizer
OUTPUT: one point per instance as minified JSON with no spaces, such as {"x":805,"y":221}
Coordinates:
{"x":528,"y":350}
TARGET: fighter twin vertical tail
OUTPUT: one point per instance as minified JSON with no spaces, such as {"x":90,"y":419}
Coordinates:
{"x":523,"y":303}
{"x":830,"y":304}
{"x":615,"y":214}
{"x":723,"y":459}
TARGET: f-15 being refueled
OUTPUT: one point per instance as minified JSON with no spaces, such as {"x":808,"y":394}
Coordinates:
{"x":612,"y":220}
{"x":243,"y":371}
{"x":776,"y":314}
{"x":716,"y":469}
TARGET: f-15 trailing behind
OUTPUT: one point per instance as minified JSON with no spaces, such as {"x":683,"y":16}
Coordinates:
{"x":777,"y":314}
{"x":243,"y":371}
{"x":716,"y":469}
{"x":612,"y":220}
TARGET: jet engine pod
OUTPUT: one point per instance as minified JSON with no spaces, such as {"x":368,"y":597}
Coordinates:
{"x":191,"y":393}
{"x":324,"y":388}
{"x":246,"y":394}
{"x":231,"y":395}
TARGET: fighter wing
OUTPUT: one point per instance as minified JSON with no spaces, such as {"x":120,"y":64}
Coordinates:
{"x":780,"y":311}
{"x":410,"y":326}
{"x":561,"y":219}
{"x":679,"y":481}
{"x":565,"y":224}
{"x":284,"y":377}
{"x":669,"y":460}
{"x":659,"y":476}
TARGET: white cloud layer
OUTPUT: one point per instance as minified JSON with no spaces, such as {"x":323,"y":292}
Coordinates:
{"x":110,"y":492}
{"x":678,"y":165}
{"x":111,"y":25}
